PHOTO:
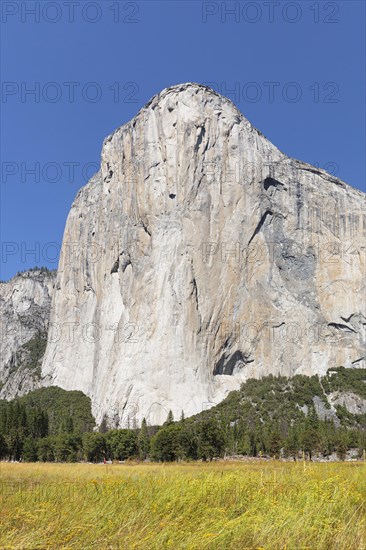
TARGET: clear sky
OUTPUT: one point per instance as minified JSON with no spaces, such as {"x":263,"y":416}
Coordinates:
{"x":297,"y":70}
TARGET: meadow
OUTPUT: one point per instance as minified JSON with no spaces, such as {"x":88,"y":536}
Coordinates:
{"x":217,"y":505}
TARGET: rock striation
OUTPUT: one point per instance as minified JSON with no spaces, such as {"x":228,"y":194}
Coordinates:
{"x":198,"y":256}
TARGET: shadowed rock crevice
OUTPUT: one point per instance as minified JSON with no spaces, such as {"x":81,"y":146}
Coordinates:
{"x":145,"y":228}
{"x":199,"y":138}
{"x":340,"y":326}
{"x":123,"y":261}
{"x":229,"y":365}
{"x":115,"y":266}
{"x":260,"y":224}
{"x":356,"y":320}
{"x":271,"y":182}
{"x":358,"y":360}
{"x":194,"y":294}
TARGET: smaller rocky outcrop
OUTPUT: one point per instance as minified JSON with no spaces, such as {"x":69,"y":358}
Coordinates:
{"x":25,"y":303}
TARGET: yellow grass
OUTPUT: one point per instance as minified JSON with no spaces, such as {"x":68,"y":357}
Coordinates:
{"x":222,"y":505}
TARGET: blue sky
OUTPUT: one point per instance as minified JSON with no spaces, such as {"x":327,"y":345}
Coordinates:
{"x":297,"y":68}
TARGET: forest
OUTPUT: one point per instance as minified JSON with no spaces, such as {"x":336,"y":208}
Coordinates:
{"x":271,"y":417}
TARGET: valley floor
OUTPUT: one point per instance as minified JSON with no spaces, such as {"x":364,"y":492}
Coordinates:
{"x":219,"y":505}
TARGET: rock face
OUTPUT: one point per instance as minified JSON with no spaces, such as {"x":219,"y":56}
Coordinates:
{"x":25,"y":303}
{"x":201,"y":255}
{"x":351,"y":401}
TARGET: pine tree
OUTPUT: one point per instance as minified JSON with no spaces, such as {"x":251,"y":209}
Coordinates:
{"x":23,"y":419}
{"x":45,"y":449}
{"x":29,"y":453}
{"x":15,"y":445}
{"x":341,"y":443}
{"x":143,"y":441}
{"x":4,"y":425}
{"x":169,"y":420}
{"x":291,"y":444}
{"x":211,"y":439}
{"x":275,"y":443}
{"x":103,"y":428}
{"x":69,"y":425}
{"x":44,"y":424}
{"x":3,"y":447}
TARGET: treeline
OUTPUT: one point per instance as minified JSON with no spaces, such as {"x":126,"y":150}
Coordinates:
{"x":215,"y":435}
{"x":41,"y":269}
{"x":46,"y":424}
{"x":25,"y":436}
{"x":274,"y":416}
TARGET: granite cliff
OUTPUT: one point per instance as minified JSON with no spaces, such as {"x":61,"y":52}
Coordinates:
{"x":198,"y":256}
{"x":25,"y":303}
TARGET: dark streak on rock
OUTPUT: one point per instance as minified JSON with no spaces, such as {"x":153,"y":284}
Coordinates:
{"x":260,"y":224}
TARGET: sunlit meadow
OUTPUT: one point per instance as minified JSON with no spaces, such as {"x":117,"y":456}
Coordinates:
{"x":217,"y":505}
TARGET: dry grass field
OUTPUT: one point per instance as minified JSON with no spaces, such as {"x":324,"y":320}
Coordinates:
{"x":218,"y":505}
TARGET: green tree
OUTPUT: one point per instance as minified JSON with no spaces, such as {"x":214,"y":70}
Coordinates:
{"x":341,"y":443}
{"x":66,"y":448}
{"x":244,"y":446}
{"x":211,"y":440}
{"x":45,"y":449}
{"x":122,"y":443}
{"x":69,"y":425}
{"x":253,"y":442}
{"x":30,"y":450}
{"x":292,"y":444}
{"x":187,"y":441}
{"x":164,"y":444}
{"x":309,"y":440}
{"x":94,"y":446}
{"x":169,"y":420}
{"x":3,"y":447}
{"x":143,"y":441}
{"x":15,"y":445}
{"x":274,"y":442}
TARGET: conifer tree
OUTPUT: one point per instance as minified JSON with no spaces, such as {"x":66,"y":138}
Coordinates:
{"x":143,"y":441}
{"x":170,"y":419}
